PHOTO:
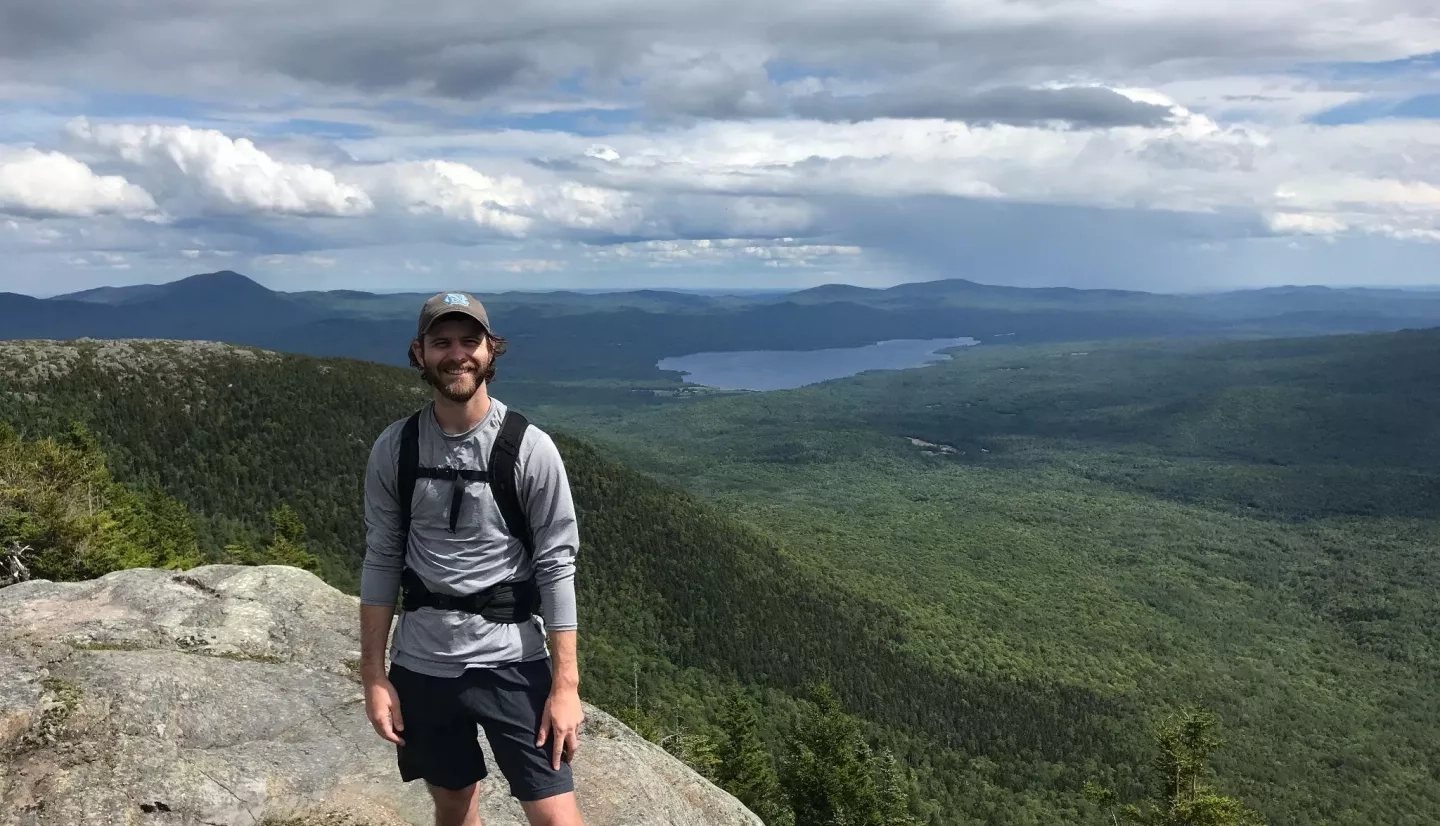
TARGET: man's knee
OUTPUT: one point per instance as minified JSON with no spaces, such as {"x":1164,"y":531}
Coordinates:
{"x":455,"y":805}
{"x":555,"y":810}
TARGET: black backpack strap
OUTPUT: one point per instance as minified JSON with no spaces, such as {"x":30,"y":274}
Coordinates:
{"x":510,"y":601}
{"x":405,"y":480}
{"x":504,"y":459}
{"x":410,"y":585}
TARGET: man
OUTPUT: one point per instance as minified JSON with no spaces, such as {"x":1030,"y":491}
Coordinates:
{"x":451,"y":668}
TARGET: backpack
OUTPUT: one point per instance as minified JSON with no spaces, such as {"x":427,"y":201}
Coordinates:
{"x":517,"y":600}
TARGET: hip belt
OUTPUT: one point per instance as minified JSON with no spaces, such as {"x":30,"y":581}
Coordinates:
{"x":505,"y":602}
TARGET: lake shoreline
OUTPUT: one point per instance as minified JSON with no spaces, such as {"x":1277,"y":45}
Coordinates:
{"x":762,"y":370}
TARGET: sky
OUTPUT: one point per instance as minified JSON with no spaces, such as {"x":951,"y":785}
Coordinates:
{"x":1164,"y":145}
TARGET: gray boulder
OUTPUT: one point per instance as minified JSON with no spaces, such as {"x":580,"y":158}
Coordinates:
{"x":229,"y":695}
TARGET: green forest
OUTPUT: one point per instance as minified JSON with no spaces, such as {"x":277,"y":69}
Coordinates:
{"x":1248,"y":526}
{"x":1010,"y":589}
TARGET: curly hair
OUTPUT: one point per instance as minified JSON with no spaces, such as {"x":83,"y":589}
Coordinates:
{"x":498,"y":346}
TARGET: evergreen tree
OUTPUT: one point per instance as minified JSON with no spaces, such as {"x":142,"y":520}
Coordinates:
{"x":1105,"y":798}
{"x":58,"y":500}
{"x":894,"y":785}
{"x":828,"y":776}
{"x":697,"y":749}
{"x":746,"y":768}
{"x":1183,"y":797}
{"x":287,"y":544}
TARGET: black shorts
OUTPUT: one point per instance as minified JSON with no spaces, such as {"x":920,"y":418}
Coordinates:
{"x":441,"y":715}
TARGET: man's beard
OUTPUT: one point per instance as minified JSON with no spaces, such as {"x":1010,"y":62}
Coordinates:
{"x":455,"y":388}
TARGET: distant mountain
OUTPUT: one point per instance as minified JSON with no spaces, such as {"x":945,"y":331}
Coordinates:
{"x":206,"y":286}
{"x":222,"y":306}
{"x":115,"y":295}
{"x":1277,"y":310}
{"x":571,"y":334}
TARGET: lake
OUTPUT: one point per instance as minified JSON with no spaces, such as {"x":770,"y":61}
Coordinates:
{"x":786,"y":369}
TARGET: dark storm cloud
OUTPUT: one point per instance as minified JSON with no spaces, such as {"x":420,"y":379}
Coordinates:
{"x":455,"y":49}
{"x":1041,"y":245}
{"x":428,"y":62}
{"x":1016,"y":106}
{"x":1028,"y":244}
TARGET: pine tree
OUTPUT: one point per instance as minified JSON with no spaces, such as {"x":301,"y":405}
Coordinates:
{"x":58,"y":499}
{"x":287,"y":544}
{"x":1105,"y":798}
{"x":894,"y":785}
{"x":829,"y":776}
{"x":746,"y":768}
{"x":1183,"y":798}
{"x":697,"y":749}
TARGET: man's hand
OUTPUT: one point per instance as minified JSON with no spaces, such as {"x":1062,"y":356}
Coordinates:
{"x":382,"y":706}
{"x":561,"y":725}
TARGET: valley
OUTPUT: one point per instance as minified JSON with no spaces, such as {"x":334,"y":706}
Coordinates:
{"x":1246,"y":526}
{"x":1009,"y":564}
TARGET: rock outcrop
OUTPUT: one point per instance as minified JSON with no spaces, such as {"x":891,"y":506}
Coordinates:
{"x":229,"y":695}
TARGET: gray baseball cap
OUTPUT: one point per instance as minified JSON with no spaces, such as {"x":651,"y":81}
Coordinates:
{"x":443,"y":304}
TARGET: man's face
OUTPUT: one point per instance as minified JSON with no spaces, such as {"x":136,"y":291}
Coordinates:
{"x":454,"y":355}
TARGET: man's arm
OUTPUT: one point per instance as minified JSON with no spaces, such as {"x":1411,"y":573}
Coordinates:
{"x":374,"y":640}
{"x":380,"y":586}
{"x":384,"y":546}
{"x":551,"y":511}
{"x":545,"y":491}
{"x":566,"y":665}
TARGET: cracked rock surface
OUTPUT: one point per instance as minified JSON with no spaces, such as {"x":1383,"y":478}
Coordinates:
{"x":228,"y":695}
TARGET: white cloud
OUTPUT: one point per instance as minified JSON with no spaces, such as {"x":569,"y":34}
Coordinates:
{"x":770,"y":252}
{"x":224,"y":173}
{"x":1305,"y":224}
{"x":507,"y":205}
{"x":194,"y":254}
{"x":39,"y":183}
{"x":1371,"y":173}
{"x":291,"y":260}
{"x":101,"y":259}
{"x":775,"y":126}
{"x":532,"y":265}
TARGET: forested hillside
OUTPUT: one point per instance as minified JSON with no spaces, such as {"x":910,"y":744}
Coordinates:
{"x":682,"y":606}
{"x":977,"y":559}
{"x":1250,"y":526}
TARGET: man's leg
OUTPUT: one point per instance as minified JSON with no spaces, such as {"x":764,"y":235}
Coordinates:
{"x":441,"y":747}
{"x":557,"y":810}
{"x":508,"y":702}
{"x":456,"y":807}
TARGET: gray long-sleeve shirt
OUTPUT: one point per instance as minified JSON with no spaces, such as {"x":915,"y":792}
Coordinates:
{"x":479,"y":554}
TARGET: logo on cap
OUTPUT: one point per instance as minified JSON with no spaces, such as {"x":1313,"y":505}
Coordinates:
{"x":457,"y":298}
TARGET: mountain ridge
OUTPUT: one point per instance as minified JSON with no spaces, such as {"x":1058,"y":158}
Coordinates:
{"x":623,"y":336}
{"x":928,"y":287}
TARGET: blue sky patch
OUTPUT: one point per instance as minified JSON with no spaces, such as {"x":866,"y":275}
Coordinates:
{"x":136,"y":105}
{"x":335,"y":130}
{"x":1420,"y":64}
{"x":1368,"y":109}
